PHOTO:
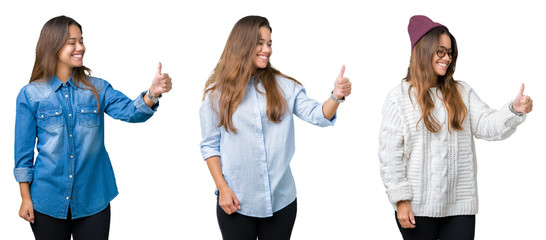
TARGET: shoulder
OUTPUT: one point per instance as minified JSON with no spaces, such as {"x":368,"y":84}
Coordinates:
{"x":99,"y":83}
{"x":464,"y":88}
{"x":398,"y":92}
{"x":37,"y":90}
{"x":288,"y":85}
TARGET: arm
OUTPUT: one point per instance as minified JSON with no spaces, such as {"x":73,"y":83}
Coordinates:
{"x":393,"y":164}
{"x":25,"y":141}
{"x":210,"y":149}
{"x":228,"y":201}
{"x":342,"y":88}
{"x":119,"y":106}
{"x":490,"y":124}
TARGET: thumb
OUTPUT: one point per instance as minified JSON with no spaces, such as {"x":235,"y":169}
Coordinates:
{"x":341,"y":72}
{"x":159,"y":68}
{"x":521,"y":90}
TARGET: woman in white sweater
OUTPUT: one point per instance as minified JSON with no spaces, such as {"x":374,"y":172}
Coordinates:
{"x":426,"y":143}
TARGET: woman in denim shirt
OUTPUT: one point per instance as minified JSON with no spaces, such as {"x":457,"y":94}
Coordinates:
{"x":248,"y":133}
{"x":67,"y":189}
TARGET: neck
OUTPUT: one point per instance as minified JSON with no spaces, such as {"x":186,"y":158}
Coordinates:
{"x":63,"y":73}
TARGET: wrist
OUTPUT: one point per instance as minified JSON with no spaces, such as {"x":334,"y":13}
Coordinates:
{"x":337,"y":99}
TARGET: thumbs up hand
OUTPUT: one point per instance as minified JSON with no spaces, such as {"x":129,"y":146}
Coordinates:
{"x":522,"y":103}
{"x":161,"y":83}
{"x":342,"y":85}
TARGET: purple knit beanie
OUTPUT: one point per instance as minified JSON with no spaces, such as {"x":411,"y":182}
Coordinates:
{"x":420,"y":25}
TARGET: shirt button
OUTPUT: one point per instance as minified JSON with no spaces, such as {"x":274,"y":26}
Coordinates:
{"x":70,"y":135}
{"x":71,"y":156}
{"x":70,"y":114}
{"x":66,"y":96}
{"x":66,"y":198}
{"x":82,"y":111}
{"x":70,"y":176}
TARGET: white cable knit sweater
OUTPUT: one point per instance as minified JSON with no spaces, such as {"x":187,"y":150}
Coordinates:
{"x":436,"y":171}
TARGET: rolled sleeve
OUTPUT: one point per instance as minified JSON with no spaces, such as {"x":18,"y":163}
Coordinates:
{"x":210,"y":131}
{"x":25,"y":139}
{"x":23,"y":174}
{"x":310,"y":110}
{"x":141,"y":105}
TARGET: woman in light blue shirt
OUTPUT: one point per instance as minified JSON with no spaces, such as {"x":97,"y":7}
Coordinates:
{"x":67,"y":189}
{"x":248,"y":133}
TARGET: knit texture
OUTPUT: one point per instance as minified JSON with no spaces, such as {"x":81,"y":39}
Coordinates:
{"x":436,"y":171}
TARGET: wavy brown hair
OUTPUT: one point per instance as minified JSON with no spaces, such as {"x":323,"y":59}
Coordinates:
{"x":227,"y":83}
{"x":421,"y":76}
{"x":52,"y":39}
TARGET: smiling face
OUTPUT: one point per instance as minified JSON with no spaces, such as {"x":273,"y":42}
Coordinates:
{"x":263,"y":50}
{"x":71,"y":55}
{"x":440,"y":64}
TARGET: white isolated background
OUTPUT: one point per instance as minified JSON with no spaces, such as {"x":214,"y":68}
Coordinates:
{"x":166,"y":191}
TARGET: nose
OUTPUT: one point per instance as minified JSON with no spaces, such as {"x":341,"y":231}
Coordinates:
{"x":266,"y":48}
{"x":79,"y":46}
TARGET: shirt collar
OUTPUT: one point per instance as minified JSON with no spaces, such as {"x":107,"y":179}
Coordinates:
{"x":55,"y":83}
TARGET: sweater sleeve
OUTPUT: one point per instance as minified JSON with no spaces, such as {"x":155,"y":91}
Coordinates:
{"x":391,"y":155}
{"x":490,"y":124}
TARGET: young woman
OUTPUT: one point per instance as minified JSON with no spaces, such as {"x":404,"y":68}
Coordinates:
{"x":248,"y":133}
{"x":67,"y":189}
{"x":426,"y":143}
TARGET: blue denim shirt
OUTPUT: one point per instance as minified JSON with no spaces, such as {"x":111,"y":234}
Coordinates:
{"x":72,"y":168}
{"x":255,"y":160}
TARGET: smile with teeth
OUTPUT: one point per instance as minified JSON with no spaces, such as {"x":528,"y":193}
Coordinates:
{"x":262,"y":57}
{"x":442,"y":65}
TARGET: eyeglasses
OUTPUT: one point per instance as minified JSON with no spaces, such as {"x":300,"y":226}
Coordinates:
{"x":441,"y":52}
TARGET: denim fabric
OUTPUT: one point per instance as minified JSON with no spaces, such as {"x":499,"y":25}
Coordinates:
{"x":255,"y":160}
{"x":65,"y":125}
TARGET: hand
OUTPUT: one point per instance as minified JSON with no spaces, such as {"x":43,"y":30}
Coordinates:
{"x":405,"y":214}
{"x":27,"y":211}
{"x":228,"y":201}
{"x":522,"y":103}
{"x":342,"y":85}
{"x":161,"y":83}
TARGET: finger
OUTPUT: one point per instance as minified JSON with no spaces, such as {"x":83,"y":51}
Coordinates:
{"x":412,"y":218}
{"x":31,"y":216}
{"x":341,"y":72}
{"x":236,"y":202}
{"x":521,"y":90}
{"x":159,"y":68}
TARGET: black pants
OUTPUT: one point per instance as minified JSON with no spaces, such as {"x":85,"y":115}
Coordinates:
{"x":445,"y":228}
{"x":95,"y":227}
{"x":240,"y":227}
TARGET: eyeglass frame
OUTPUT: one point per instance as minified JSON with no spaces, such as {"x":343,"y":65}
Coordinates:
{"x":442,"y":51}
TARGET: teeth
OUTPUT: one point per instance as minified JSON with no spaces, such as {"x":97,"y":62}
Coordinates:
{"x":263,"y":57}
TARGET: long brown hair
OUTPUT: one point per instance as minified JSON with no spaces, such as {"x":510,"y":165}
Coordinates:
{"x":227,"y":83}
{"x":52,"y":39}
{"x":422,"y":77}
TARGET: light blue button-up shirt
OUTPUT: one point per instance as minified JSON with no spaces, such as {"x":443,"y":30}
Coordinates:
{"x":255,"y":160}
{"x":72,"y":168}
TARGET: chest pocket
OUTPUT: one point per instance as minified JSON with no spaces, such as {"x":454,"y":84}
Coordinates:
{"x":50,"y":118}
{"x":88,"y":115}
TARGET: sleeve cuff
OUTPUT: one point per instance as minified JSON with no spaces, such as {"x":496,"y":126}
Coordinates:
{"x":399,"y":192}
{"x":142,"y":107}
{"x":322,"y":121}
{"x":207,"y":153}
{"x":512,"y":117}
{"x":23,"y":174}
